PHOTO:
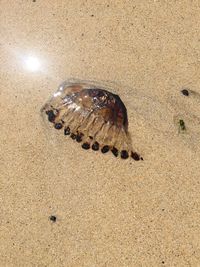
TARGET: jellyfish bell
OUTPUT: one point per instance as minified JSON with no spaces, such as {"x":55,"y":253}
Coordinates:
{"x":92,"y":116}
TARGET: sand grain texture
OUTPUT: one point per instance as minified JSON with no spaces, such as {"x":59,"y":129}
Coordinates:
{"x":109,"y":212}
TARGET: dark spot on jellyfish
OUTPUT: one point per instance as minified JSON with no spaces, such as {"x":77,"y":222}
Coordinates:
{"x":124,"y":154}
{"x":67,"y":131}
{"x":85,"y":109}
{"x":105,"y":149}
{"x":86,"y":146}
{"x":185,"y":92}
{"x":52,"y":218}
{"x":34,"y":0}
{"x":135,"y":156}
{"x":163,"y":262}
{"x":115,"y":151}
{"x":73,"y":136}
{"x":92,"y":15}
{"x":51,"y":115}
{"x":107,"y":5}
{"x":58,"y":126}
{"x":79,"y":138}
{"x":95,"y":146}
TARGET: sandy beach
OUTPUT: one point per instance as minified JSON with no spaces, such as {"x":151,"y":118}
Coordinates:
{"x":106,"y":211}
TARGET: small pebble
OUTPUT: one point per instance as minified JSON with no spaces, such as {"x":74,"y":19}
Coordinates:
{"x":52,"y":218}
{"x":185,"y":92}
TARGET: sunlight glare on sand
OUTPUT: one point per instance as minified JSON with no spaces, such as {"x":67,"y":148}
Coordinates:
{"x":32,"y":63}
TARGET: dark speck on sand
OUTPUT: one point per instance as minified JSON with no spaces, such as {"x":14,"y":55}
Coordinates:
{"x":52,"y":218}
{"x":185,"y":92}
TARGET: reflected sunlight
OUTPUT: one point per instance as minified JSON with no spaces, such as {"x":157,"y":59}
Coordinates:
{"x":32,"y":63}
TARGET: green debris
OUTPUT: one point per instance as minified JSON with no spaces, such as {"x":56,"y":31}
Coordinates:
{"x":182,"y":127}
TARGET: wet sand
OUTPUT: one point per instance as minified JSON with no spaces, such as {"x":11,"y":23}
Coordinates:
{"x":109,"y":212}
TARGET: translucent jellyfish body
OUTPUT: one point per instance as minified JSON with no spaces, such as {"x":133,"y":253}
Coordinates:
{"x":92,"y":116}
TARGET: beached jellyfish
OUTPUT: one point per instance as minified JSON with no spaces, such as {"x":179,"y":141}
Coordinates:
{"x":92,"y":116}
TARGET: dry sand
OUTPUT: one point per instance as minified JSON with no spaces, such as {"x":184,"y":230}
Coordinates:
{"x":110,"y":212}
